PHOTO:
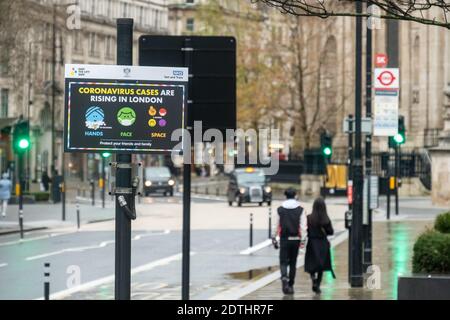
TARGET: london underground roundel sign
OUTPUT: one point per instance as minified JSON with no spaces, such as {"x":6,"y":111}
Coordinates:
{"x":386,"y":78}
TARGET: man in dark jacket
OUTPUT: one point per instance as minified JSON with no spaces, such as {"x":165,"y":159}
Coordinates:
{"x":291,"y":232}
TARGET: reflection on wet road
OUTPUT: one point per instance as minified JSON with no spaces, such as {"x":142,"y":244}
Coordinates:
{"x":393,"y":250}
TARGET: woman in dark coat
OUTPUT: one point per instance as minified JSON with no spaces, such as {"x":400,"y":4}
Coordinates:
{"x":318,"y":257}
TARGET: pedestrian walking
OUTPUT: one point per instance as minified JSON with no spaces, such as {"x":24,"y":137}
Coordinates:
{"x":5,"y":192}
{"x":45,"y":180}
{"x":318,"y":257}
{"x":290,"y":227}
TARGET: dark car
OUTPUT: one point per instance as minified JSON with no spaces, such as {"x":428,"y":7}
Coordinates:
{"x":249,"y":185}
{"x":158,"y":180}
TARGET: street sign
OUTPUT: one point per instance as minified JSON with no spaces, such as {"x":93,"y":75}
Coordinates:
{"x":381,"y":60}
{"x":387,"y":78}
{"x":385,"y":115}
{"x":123,"y":109}
{"x":366,"y":125}
{"x":212,"y":74}
{"x":374,"y":192}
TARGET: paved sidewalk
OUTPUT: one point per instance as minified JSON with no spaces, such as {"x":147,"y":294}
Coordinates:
{"x":393,"y":249}
{"x":40,"y":216}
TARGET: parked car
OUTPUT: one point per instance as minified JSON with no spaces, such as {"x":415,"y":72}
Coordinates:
{"x":158,"y":180}
{"x":249,"y":185}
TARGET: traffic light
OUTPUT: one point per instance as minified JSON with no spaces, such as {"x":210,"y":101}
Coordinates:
{"x":400,"y":137}
{"x":21,"y":137}
{"x":106,"y":154}
{"x":326,"y":144}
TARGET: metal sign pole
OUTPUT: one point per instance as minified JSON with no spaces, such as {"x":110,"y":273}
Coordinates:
{"x":123,"y":180}
{"x":367,"y":258}
{"x":356,"y":279}
{"x":185,"y":272}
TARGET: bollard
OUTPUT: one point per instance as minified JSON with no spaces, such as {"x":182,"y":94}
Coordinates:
{"x":78,"y":215}
{"x":21,"y":223}
{"x":217,"y":191}
{"x":251,"y":230}
{"x":47,"y":281}
{"x":270,"y":221}
{"x":388,"y":213}
{"x":93,"y":192}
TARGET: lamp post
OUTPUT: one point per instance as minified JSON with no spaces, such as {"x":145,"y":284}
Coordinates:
{"x":356,"y":241}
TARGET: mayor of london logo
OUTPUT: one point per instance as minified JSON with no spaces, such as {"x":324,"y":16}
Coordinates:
{"x":126,"y":116}
{"x":95,"y":117}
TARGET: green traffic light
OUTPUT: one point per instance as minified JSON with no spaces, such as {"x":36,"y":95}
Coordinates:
{"x":106,"y":154}
{"x":399,"y":139}
{"x":327,"y":151}
{"x":24,"y":143}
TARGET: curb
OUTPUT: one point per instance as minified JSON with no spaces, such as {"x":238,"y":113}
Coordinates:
{"x":9,"y":232}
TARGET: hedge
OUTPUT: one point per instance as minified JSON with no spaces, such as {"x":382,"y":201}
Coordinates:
{"x":442,"y":223}
{"x":432,"y":253}
{"x":38,"y":196}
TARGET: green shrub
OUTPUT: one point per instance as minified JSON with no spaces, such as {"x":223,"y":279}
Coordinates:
{"x":432,"y":253}
{"x":442,"y":223}
{"x":41,"y":196}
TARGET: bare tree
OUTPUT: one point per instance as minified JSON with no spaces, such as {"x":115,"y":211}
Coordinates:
{"x":260,"y":83}
{"x":317,"y":97}
{"x":430,"y":12}
{"x":16,"y":21}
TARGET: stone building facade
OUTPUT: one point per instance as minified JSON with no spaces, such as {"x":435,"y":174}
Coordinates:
{"x":91,"y":40}
{"x":421,"y":52}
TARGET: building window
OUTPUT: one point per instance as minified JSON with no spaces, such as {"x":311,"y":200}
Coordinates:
{"x":109,"y":46}
{"x":141,"y":16}
{"x":4,"y":98}
{"x":124,"y":8}
{"x":109,"y":13}
{"x":190,"y":24}
{"x":190,"y":1}
{"x":77,"y":41}
{"x":93,"y":44}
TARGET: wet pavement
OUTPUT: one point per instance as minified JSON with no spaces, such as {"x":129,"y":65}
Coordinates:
{"x":393,"y":250}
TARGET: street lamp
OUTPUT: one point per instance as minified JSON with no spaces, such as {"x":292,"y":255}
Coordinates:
{"x":30,"y":102}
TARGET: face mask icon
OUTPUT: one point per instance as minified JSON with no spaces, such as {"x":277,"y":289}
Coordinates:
{"x":126,"y":116}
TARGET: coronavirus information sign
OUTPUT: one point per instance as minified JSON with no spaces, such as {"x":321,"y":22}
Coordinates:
{"x":124,"y":108}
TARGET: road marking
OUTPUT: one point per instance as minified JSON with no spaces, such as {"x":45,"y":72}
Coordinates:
{"x":77,"y":249}
{"x":259,"y":246}
{"x":102,"y":244}
{"x":92,"y":284}
{"x":251,"y":286}
{"x":3,"y":265}
{"x":140,"y":236}
{"x":52,"y":235}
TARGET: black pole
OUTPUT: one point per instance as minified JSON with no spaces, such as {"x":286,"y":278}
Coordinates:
{"x":103,"y":182}
{"x":367,"y":258}
{"x":21,"y":188}
{"x":186,"y":245}
{"x":78,"y":215}
{"x":47,"y":281}
{"x":350,"y":185}
{"x":356,"y":277}
{"x":93,"y":192}
{"x":63,"y":197}
{"x":388,"y":214}
{"x":251,"y":230}
{"x":53,"y":156}
{"x":270,"y":221}
{"x":123,"y":180}
{"x":397,"y":176}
